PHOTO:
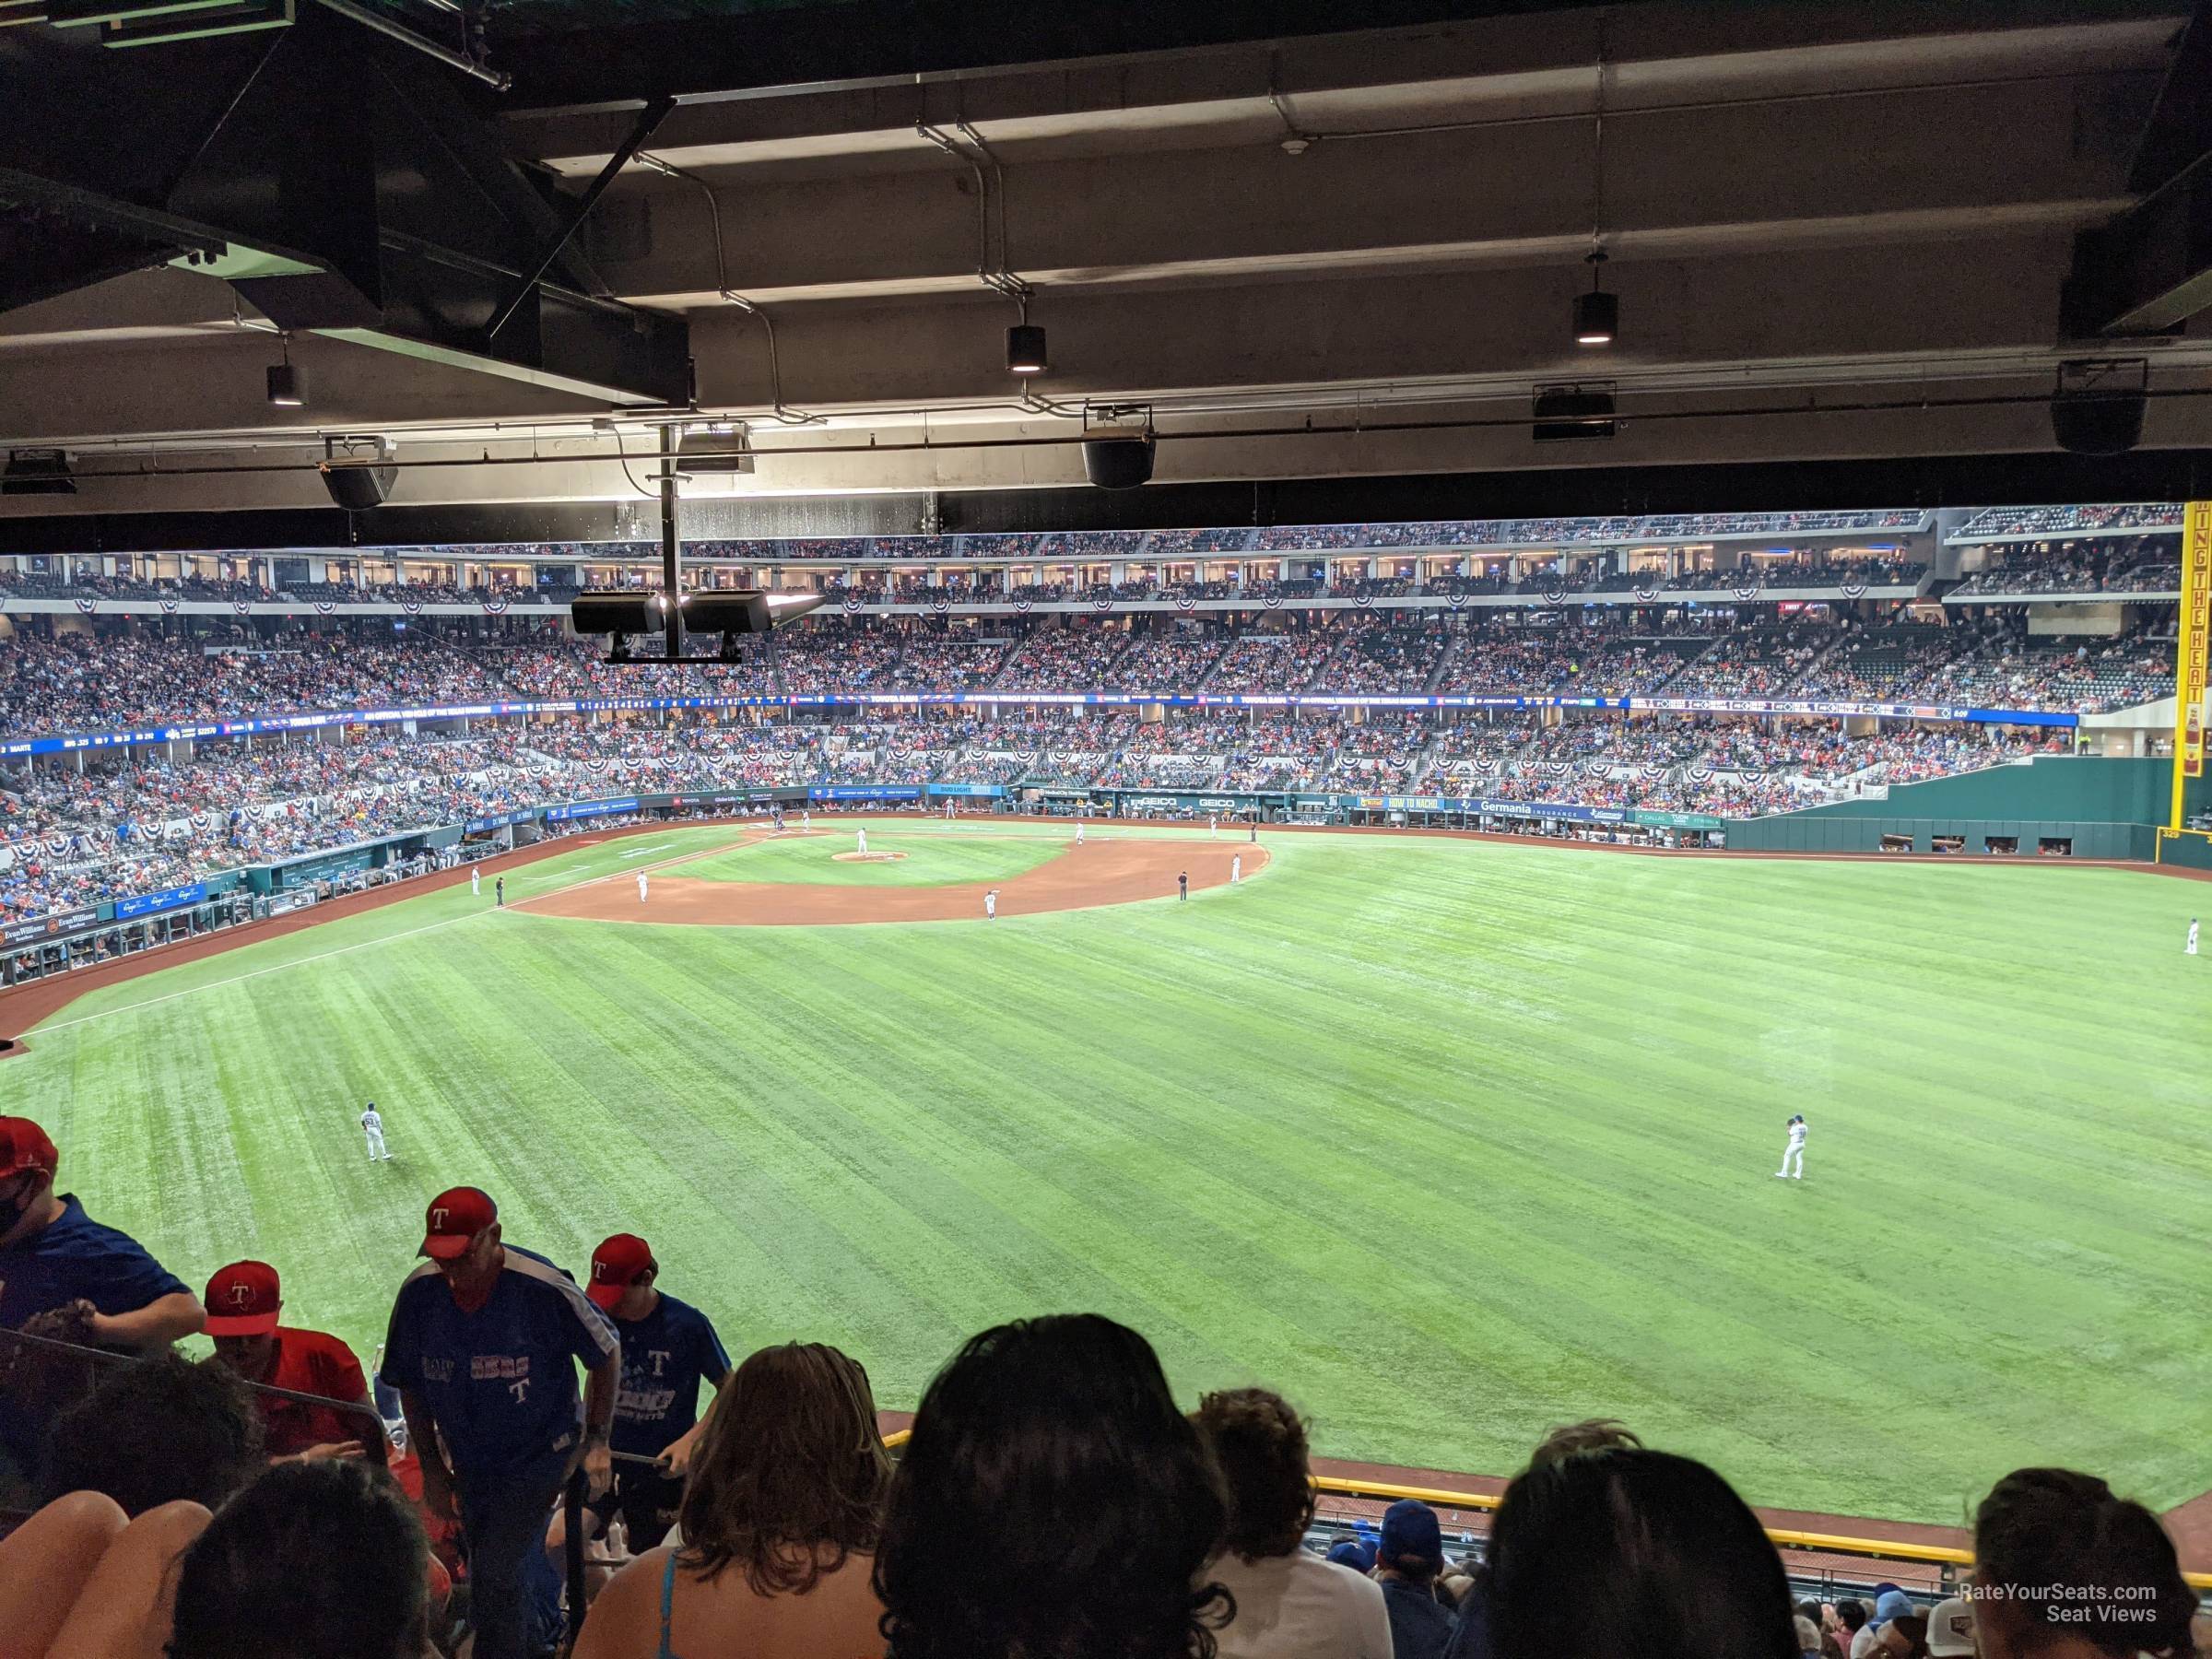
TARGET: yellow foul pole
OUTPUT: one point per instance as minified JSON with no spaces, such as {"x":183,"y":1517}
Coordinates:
{"x":2195,"y":650}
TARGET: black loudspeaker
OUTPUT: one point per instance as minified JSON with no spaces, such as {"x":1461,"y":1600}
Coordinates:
{"x":2097,"y":423}
{"x":357,"y":486}
{"x":1118,"y":462}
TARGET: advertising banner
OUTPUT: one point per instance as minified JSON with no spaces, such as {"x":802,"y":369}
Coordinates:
{"x":59,"y":924}
{"x":153,"y":904}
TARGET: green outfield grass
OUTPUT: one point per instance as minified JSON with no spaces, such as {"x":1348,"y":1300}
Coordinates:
{"x":1449,"y":1141}
{"x":937,"y":856}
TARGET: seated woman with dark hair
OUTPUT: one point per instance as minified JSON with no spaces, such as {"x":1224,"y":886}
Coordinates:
{"x":1053,"y":1504}
{"x":781,"y":1514}
{"x":313,"y":1560}
{"x":1290,"y":1603}
{"x":1629,"y":1551}
{"x":2065,"y":1569}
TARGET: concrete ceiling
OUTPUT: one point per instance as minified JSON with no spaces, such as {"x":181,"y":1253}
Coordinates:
{"x":1836,"y":231}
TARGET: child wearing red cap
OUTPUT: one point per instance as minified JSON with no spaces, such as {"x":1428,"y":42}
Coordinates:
{"x":243,"y":1303}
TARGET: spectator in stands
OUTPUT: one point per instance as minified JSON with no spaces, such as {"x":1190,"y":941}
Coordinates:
{"x":1407,"y":1561}
{"x":1890,"y":1605}
{"x":1849,"y":1618}
{"x":77,"y":1581}
{"x":91,"y":1281}
{"x":2062,"y":1567}
{"x":482,"y":1347}
{"x":669,"y":1349}
{"x":1592,"y":1434}
{"x":157,"y":1430}
{"x":244,"y":1301}
{"x":1631,"y":1551}
{"x":781,"y":1522}
{"x":1358,"y":1553}
{"x":1290,"y":1604}
{"x":46,"y":1561}
{"x":1052,"y":1500}
{"x":320,"y":1560}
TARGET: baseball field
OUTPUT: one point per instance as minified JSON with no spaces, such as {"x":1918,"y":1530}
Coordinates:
{"x":1448,"y":1140}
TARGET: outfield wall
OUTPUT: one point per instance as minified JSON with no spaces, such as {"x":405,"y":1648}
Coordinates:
{"x":2105,"y":806}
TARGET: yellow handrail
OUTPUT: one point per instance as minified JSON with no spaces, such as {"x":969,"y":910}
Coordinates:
{"x":1784,"y":1537}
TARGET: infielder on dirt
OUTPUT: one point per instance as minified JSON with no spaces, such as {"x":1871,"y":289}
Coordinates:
{"x":641,"y":886}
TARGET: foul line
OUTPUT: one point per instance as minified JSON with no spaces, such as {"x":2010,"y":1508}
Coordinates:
{"x":324,"y":956}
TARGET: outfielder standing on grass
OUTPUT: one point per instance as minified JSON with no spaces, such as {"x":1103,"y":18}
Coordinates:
{"x":1794,"y":1152}
{"x":482,"y":1347}
{"x":63,"y":1274}
{"x":373,"y":1126}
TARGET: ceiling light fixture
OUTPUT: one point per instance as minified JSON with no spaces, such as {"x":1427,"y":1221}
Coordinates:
{"x":1596,"y":313}
{"x":287,"y":386}
{"x":1025,"y":349}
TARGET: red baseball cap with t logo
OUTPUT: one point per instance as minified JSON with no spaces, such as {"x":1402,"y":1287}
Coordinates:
{"x":616,"y":1265}
{"x":456,"y":1217}
{"x":241,"y":1299}
{"x":25,"y":1145}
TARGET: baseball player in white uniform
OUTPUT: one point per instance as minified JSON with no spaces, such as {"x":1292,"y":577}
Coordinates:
{"x":1213,"y":826}
{"x":641,"y":886}
{"x":863,"y":841}
{"x":1079,"y":832}
{"x":475,"y":882}
{"x":1793,"y":1155}
{"x":991,"y":905}
{"x":806,"y":819}
{"x":373,"y":1126}
{"x":2190,"y":949}
{"x":1236,"y":869}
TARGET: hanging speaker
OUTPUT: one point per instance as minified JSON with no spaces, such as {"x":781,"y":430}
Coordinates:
{"x":358,"y":482}
{"x":1118,"y":462}
{"x":2096,"y":407}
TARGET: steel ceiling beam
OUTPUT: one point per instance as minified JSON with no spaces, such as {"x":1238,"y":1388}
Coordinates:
{"x":340,"y":184}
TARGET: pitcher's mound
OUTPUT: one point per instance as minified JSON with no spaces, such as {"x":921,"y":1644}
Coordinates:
{"x":866,"y":857}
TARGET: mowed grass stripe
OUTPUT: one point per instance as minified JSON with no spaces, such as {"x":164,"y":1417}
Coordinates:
{"x":1449,"y":1140}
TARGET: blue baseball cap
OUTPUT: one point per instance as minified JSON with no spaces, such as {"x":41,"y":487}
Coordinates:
{"x":1409,"y":1528}
{"x":1893,"y":1604}
{"x":1359,"y":1556}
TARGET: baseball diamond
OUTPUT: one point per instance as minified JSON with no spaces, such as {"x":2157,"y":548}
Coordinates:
{"x":1514,"y":1101}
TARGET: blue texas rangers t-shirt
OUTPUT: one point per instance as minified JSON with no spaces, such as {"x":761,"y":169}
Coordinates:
{"x":71,"y":1258}
{"x":502,"y":1381}
{"x":666,"y":1356}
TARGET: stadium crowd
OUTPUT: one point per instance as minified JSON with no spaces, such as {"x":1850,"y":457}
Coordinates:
{"x":1053,"y":1498}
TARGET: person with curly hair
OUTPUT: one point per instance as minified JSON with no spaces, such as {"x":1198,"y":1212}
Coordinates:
{"x":780,"y":1520}
{"x":1053,"y":1504}
{"x":2065,"y":1569}
{"x":315,"y":1561}
{"x":1290,"y":1603}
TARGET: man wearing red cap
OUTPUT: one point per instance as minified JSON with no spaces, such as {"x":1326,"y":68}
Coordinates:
{"x":483,"y":1347}
{"x":243,"y":1300}
{"x":668,"y":1349}
{"x":54,"y":1258}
